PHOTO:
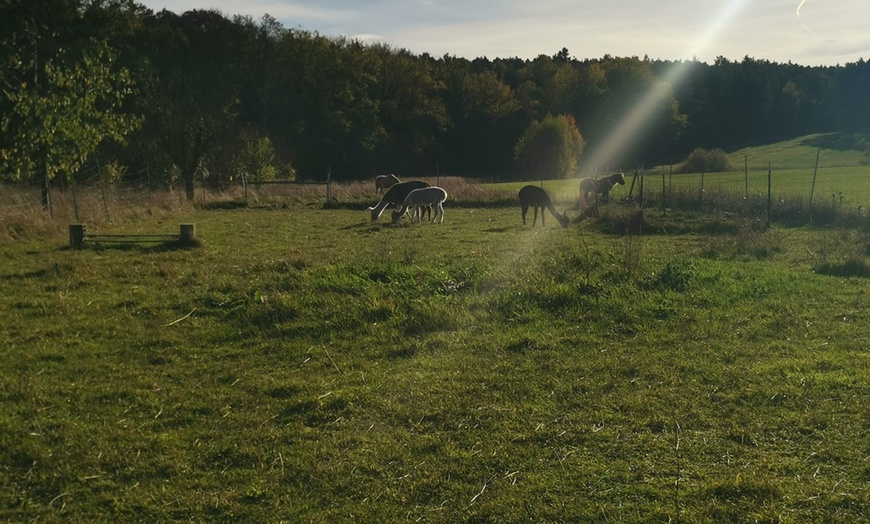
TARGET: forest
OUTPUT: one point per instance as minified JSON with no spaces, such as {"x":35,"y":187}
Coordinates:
{"x":206,"y":98}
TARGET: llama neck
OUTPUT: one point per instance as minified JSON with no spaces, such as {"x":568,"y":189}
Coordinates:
{"x":378,"y":209}
{"x":552,"y":209}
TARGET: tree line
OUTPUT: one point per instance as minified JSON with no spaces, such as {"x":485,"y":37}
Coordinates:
{"x":202,"y":97}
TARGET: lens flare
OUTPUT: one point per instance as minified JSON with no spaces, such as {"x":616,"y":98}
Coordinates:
{"x":628,"y":130}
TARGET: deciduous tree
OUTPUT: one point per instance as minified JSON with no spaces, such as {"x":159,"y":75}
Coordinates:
{"x":550,"y":148}
{"x":53,"y":123}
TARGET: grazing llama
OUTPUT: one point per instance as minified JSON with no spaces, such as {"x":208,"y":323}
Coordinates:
{"x":395,"y":196}
{"x":538,"y":198}
{"x":600,"y":186}
{"x":420,"y":200}
{"x":384,"y":182}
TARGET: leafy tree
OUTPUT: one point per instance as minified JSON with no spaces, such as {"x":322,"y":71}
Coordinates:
{"x":329,"y":116}
{"x":550,"y":148}
{"x":55,"y":122}
{"x":484,"y":117}
{"x":410,"y":107}
{"x":194,"y":106}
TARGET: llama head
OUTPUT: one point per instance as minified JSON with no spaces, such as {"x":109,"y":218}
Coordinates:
{"x":563,"y":219}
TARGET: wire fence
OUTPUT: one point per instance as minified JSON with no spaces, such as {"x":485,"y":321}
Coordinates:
{"x":804,"y":182}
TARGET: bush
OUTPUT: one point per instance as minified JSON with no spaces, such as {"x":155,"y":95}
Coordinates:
{"x":550,"y":148}
{"x":705,"y":161}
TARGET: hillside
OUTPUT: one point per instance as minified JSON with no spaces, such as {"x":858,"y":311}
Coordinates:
{"x":838,"y":149}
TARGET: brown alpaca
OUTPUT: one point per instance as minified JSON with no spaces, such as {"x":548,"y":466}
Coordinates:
{"x":538,"y":198}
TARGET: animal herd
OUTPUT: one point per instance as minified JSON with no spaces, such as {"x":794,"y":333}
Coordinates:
{"x":415,"y":197}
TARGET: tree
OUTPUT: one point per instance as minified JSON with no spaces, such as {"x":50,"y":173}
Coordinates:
{"x":410,"y":106}
{"x":194,"y":106}
{"x":550,"y":148}
{"x":56,"y":121}
{"x":482,"y":112}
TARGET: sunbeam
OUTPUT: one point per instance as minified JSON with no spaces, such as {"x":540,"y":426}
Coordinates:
{"x":627,"y":132}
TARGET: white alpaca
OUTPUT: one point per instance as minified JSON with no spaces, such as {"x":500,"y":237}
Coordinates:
{"x":384,"y":182}
{"x":420,"y":199}
{"x":395,"y":196}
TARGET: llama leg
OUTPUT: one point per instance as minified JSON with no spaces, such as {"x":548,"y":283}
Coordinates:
{"x":525,"y":209}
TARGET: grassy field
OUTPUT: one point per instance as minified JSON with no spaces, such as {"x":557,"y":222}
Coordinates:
{"x":833,"y":168}
{"x":304,"y":365}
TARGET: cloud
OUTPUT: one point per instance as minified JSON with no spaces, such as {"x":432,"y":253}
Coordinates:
{"x":675,"y":29}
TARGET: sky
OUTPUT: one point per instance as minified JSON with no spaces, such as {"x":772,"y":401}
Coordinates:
{"x":805,"y":32}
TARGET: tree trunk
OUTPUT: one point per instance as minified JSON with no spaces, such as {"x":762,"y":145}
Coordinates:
{"x":46,"y":196}
{"x":188,"y":185}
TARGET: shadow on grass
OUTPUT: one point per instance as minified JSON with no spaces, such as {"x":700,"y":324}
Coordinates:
{"x":840,"y":141}
{"x":850,"y":268}
{"x":162,"y":247}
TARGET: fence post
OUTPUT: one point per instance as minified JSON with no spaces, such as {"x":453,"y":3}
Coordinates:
{"x":103,"y":190}
{"x":702,"y":184}
{"x":46,"y":194}
{"x":329,"y":185}
{"x":664,"y":194}
{"x":815,"y":172}
{"x":768,"y":194}
{"x":640,"y":185}
{"x":75,"y":200}
{"x":148,"y":178}
{"x":746,"y":176}
{"x":745,"y":184}
{"x":77,"y":236}
{"x":186,"y":233}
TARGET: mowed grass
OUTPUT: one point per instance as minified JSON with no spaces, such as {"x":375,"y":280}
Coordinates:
{"x":304,"y":365}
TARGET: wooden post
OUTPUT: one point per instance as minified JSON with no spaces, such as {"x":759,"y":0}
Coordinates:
{"x":77,"y":236}
{"x":664,"y":194}
{"x":148,"y":178}
{"x":640,"y":186}
{"x":746,"y":177}
{"x":745,"y":185}
{"x":46,"y":194}
{"x":75,"y":201}
{"x":815,"y":172}
{"x":103,"y":190}
{"x":768,"y":194}
{"x":702,"y":184}
{"x":186,"y":233}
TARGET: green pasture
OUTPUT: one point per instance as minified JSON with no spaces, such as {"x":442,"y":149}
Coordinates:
{"x":838,"y":149}
{"x":821,"y":165}
{"x":305,"y":365}
{"x":845,"y":186}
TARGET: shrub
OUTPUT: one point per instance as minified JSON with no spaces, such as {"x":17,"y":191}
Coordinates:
{"x":705,"y":161}
{"x":550,"y":148}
